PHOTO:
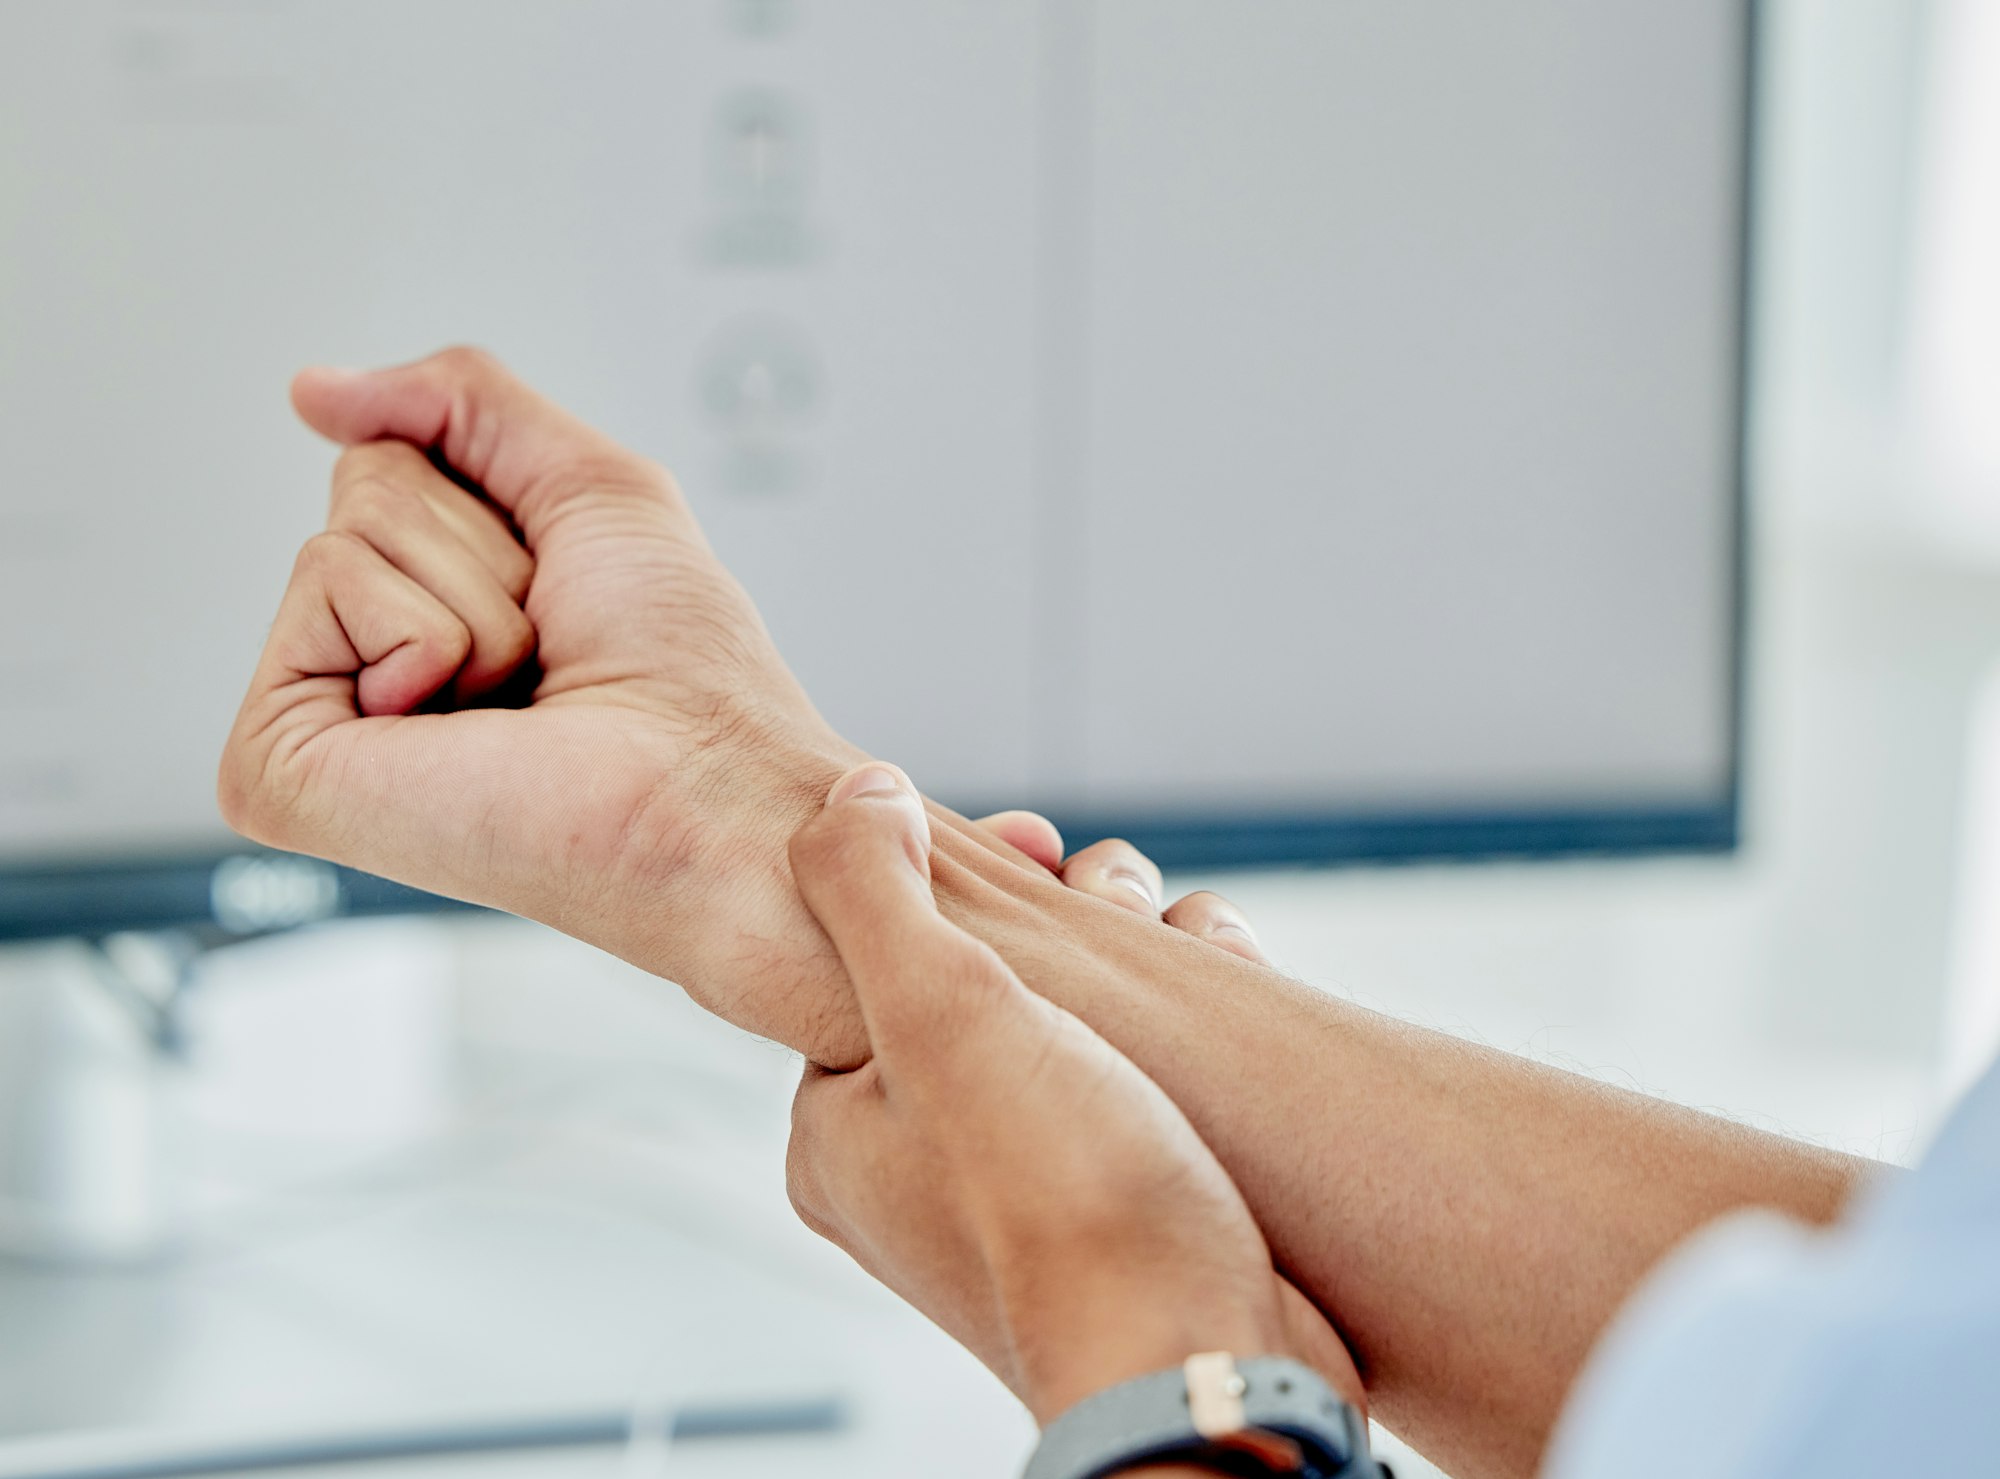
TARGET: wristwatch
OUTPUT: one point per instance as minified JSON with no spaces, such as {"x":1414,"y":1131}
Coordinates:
{"x":1264,"y":1415}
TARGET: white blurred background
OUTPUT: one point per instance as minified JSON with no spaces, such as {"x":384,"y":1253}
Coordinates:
{"x":421,"y":1169}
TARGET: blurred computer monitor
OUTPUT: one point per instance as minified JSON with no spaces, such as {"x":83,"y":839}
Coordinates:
{"x":1295,"y":432}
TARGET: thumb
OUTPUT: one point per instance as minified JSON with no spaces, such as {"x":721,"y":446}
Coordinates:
{"x":863,"y":868}
{"x":521,"y":449}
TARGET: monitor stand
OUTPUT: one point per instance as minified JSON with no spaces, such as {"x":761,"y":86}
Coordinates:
{"x":87,"y":1044}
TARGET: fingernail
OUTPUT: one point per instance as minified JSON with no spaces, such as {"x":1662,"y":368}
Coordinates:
{"x":1239,"y":931}
{"x":1138,"y":886}
{"x":866,"y":780}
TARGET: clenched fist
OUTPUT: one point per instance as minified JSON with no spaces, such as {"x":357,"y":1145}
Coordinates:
{"x":483,"y":543}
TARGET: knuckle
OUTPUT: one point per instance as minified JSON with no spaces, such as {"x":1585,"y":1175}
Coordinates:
{"x":365,"y":501}
{"x":327,"y":553}
{"x":449,"y":636}
{"x":464,"y":362}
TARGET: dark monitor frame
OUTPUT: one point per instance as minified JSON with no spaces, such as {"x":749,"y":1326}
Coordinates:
{"x":247,"y":890}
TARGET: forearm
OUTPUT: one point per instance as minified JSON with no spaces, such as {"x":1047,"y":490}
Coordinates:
{"x":1471,"y":1220}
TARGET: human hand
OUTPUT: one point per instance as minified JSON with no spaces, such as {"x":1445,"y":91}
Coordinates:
{"x":642,"y":798}
{"x":998,"y":1163}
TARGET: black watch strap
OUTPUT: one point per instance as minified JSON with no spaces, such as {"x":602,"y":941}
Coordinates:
{"x":1185,"y":1414}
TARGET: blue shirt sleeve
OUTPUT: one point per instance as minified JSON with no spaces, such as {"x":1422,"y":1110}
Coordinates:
{"x":1763,"y":1349}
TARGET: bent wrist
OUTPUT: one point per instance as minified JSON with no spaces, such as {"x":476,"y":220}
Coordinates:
{"x":706,"y":888}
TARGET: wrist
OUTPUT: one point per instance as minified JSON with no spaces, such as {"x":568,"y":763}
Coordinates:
{"x":706,"y":883}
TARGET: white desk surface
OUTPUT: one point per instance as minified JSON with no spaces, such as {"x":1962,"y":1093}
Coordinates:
{"x":590,"y":1227}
